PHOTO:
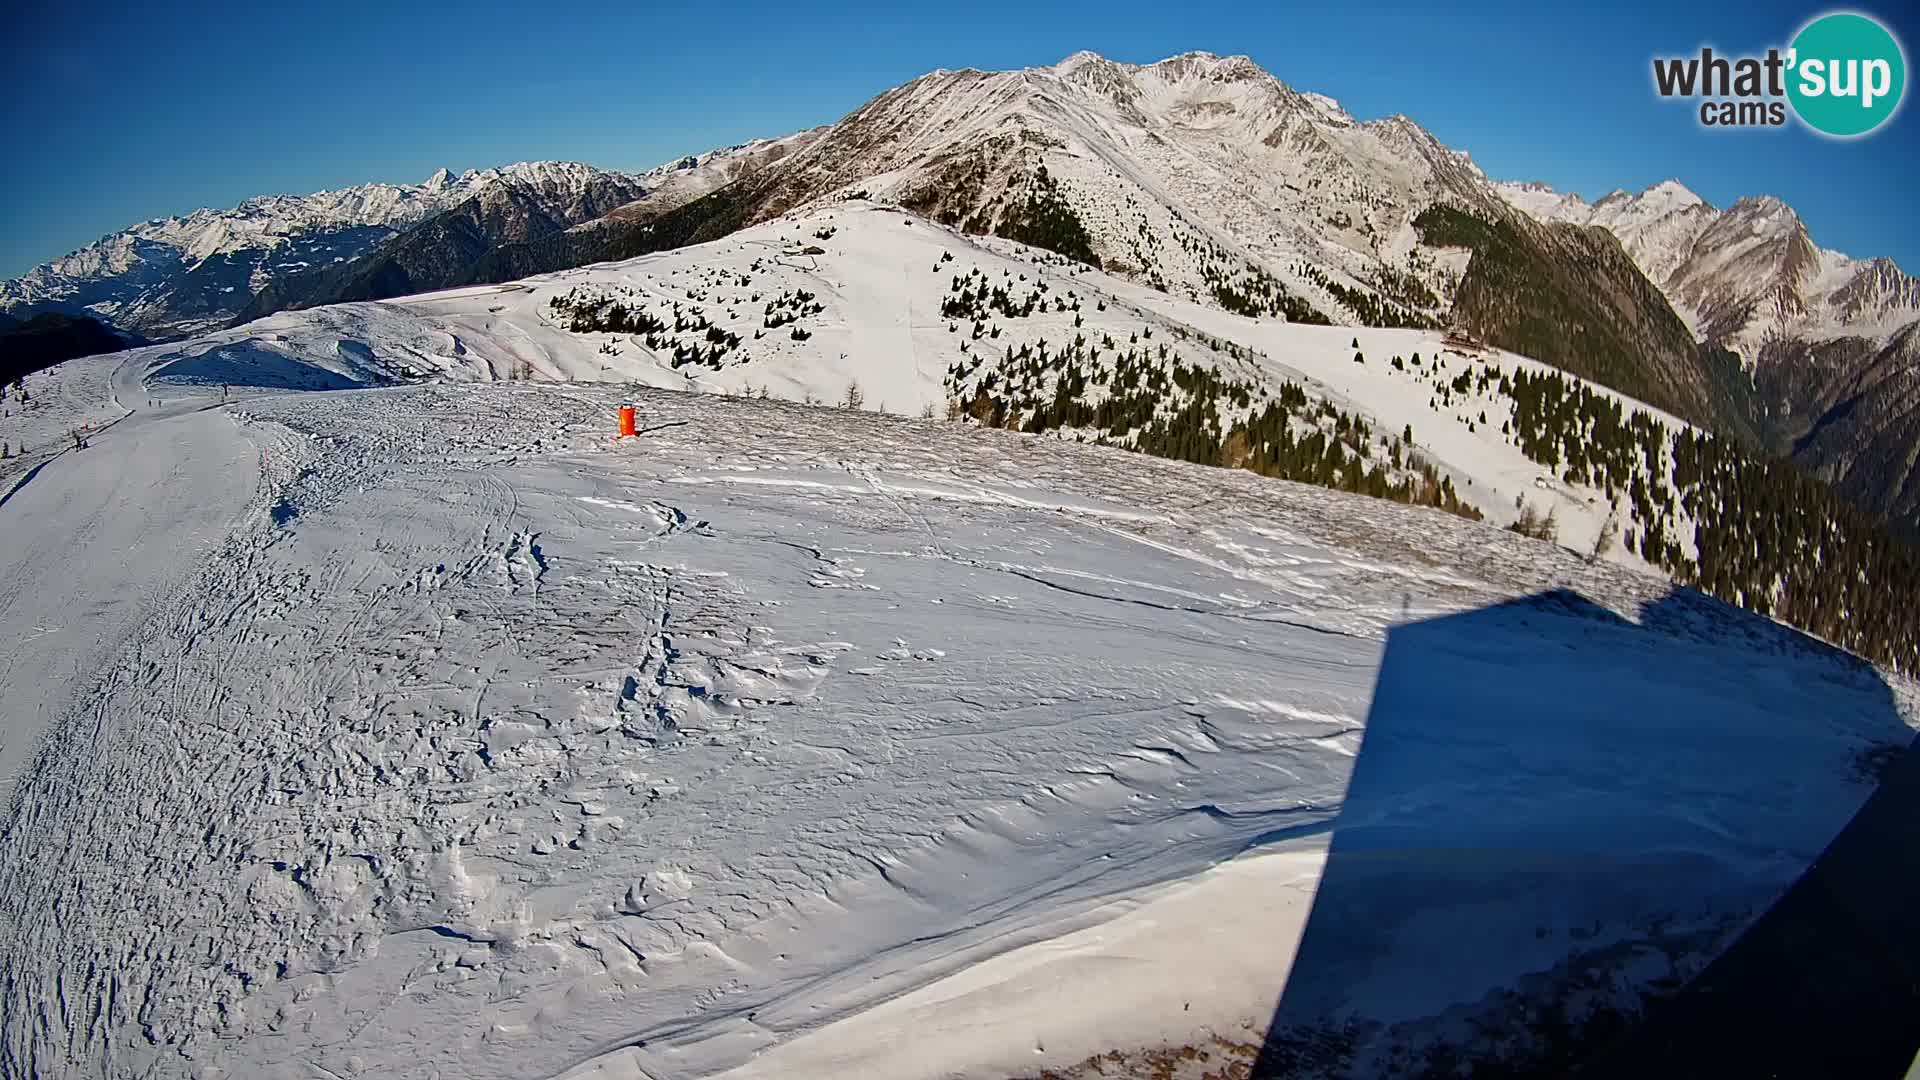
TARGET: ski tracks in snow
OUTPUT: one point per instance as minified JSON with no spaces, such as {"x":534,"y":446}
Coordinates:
{"x":555,"y":755}
{"x":489,"y":748}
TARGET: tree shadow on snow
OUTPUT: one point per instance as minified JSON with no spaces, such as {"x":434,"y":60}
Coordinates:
{"x":1558,"y":816}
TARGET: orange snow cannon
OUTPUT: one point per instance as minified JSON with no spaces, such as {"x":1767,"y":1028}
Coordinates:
{"x":626,"y":421}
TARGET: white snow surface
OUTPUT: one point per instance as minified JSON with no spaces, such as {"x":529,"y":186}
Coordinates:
{"x":1236,"y":925}
{"x":77,"y":395}
{"x":690,"y":176}
{"x":880,"y":278}
{"x":429,"y":730}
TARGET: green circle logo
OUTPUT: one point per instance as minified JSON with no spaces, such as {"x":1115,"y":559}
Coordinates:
{"x":1848,"y":74}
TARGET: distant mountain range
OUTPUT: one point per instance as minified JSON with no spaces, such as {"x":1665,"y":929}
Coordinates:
{"x":1829,"y":342}
{"x":1200,"y":175}
{"x":173,"y":277}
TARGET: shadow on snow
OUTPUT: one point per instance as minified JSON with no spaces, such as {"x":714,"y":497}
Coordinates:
{"x":249,"y":365}
{"x":1558,"y":816}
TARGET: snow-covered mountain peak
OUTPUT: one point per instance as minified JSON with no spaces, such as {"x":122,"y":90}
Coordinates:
{"x":1195,"y":63}
{"x":1740,"y":277}
{"x":1098,"y":74}
{"x":1204,"y":64}
{"x":1666,"y":197}
{"x":192,"y":272}
{"x":1404,"y":131}
{"x":1185,"y":77}
{"x":1669,"y":205}
{"x":1083,"y":59}
{"x":1329,"y":109}
{"x":1181,"y":65}
{"x":1763,"y":210}
{"x":536,"y":173}
{"x":1207,"y":75}
{"x":1673,"y":193}
{"x":1540,"y":200}
{"x":1187,"y":171}
{"x":1767,"y":220}
{"x":677,"y":170}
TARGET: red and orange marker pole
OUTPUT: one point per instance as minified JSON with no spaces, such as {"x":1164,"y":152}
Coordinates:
{"x":626,"y":421}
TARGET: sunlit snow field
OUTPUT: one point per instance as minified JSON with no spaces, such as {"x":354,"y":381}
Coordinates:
{"x":431,"y":731}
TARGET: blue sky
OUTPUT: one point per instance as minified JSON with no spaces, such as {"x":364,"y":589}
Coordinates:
{"x":122,"y":112}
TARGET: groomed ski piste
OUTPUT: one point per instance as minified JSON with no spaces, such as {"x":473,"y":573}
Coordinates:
{"x":426,"y":729}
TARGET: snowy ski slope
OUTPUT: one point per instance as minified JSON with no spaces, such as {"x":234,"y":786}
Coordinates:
{"x":427,"y":730}
{"x":878,"y":280}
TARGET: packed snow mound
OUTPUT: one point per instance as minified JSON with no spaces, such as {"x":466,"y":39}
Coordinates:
{"x":482,"y":743}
